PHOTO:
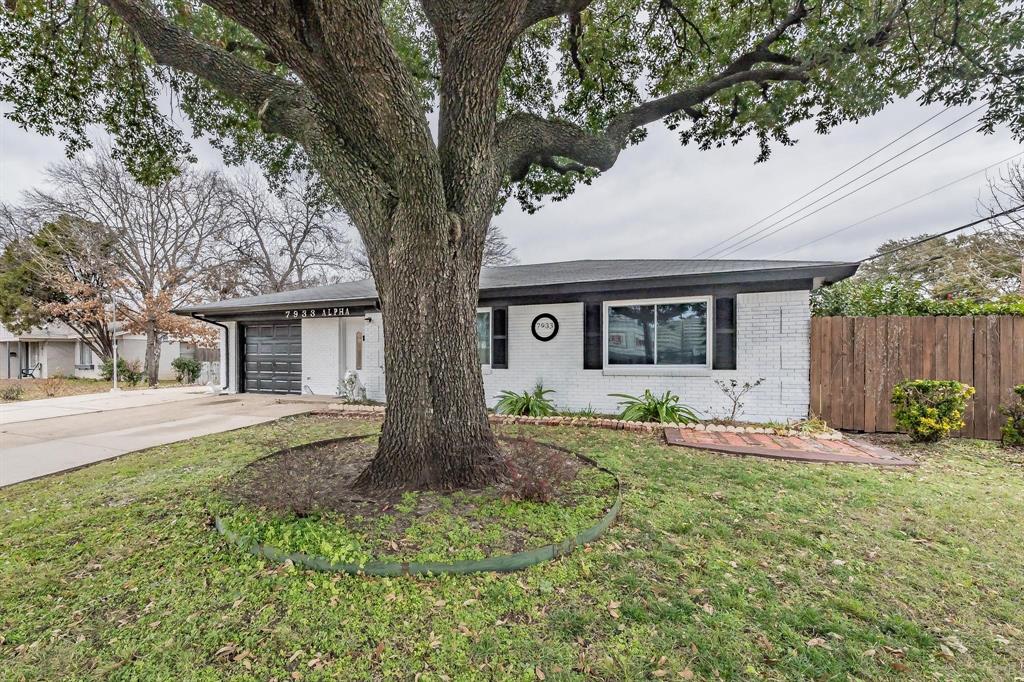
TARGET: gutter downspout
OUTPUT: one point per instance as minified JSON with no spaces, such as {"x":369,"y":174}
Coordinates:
{"x":227,"y":349}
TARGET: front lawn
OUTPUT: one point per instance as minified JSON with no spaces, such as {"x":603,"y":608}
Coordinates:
{"x":718,"y":568}
{"x":36,"y":389}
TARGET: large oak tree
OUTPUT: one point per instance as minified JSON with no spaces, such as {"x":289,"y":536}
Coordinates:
{"x":532,"y":96}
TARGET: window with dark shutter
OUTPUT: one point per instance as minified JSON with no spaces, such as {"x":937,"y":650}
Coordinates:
{"x":499,"y":338}
{"x":593,"y":347}
{"x":725,"y":333}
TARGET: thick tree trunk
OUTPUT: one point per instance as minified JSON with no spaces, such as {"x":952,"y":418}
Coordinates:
{"x":152,"y":353}
{"x":436,"y":433}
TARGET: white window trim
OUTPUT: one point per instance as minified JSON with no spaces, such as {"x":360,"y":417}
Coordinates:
{"x":486,"y":369}
{"x":656,"y":369}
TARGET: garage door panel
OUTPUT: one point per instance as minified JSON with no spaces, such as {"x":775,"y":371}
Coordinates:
{"x":273,"y":358}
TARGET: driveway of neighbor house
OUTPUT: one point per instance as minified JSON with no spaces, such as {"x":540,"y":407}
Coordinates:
{"x":49,"y":436}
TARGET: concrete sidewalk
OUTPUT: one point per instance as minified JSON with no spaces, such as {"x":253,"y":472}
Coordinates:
{"x":31,"y":410}
{"x":35,"y":447}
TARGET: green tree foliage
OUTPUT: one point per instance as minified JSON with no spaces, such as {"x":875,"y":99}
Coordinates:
{"x":977,"y":266}
{"x":63,"y":272}
{"x":70,"y":65}
{"x":893,"y":295}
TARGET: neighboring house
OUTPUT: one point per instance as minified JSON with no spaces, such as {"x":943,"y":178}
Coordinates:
{"x":55,"y":350}
{"x":583,"y":328}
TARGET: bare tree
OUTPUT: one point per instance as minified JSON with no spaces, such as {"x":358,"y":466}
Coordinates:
{"x":161,"y":236}
{"x":497,"y":251}
{"x":1005,"y":235}
{"x":283,"y":240}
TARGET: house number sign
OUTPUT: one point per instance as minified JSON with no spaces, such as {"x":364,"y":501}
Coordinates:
{"x":544,"y":327}
{"x":316,"y":312}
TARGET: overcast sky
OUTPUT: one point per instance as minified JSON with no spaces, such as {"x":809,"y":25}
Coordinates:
{"x":662,"y":200}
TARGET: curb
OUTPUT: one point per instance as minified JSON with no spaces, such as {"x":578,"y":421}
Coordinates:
{"x":498,"y":564}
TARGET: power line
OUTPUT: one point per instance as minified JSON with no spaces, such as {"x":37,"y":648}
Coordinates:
{"x":901,"y":247}
{"x":746,"y":241}
{"x":721,"y":248}
{"x":837,"y":175}
{"x":774,"y":232}
{"x":899,"y":205}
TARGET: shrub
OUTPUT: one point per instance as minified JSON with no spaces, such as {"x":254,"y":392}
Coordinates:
{"x":11,"y":393}
{"x":735,"y":392}
{"x":1013,"y":429}
{"x":186,"y":370}
{"x":928,"y":409}
{"x":651,"y":408}
{"x":54,"y":386}
{"x":533,"y":403}
{"x":128,"y":372}
{"x":535,"y":472}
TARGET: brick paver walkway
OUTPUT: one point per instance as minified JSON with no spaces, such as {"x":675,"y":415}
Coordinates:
{"x":798,"y":448}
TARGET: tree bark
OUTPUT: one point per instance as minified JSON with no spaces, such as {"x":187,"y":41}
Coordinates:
{"x":152,"y":353}
{"x":436,"y":433}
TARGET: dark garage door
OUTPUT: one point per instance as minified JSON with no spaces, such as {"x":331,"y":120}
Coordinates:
{"x":272,"y":358}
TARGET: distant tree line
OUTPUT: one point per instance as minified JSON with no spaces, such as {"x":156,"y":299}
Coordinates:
{"x":975,"y":273}
{"x":94,"y":238}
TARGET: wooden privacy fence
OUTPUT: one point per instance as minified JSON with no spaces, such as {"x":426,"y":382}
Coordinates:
{"x":855,"y":361}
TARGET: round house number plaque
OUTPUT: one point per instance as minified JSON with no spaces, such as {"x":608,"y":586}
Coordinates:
{"x":544,"y":327}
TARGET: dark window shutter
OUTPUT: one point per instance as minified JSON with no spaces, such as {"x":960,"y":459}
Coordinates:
{"x":725,"y":333}
{"x":593,"y":342}
{"x":499,"y":338}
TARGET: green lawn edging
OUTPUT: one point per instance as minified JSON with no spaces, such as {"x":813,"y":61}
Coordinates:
{"x":497,"y":564}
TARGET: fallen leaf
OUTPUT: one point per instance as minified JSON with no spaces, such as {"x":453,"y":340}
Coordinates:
{"x":539,"y":673}
{"x":816,"y":641}
{"x":686,"y":674}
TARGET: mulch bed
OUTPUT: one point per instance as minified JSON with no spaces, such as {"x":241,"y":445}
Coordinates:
{"x":316,"y":481}
{"x":320,"y":478}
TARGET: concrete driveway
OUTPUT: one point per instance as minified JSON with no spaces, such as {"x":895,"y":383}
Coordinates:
{"x":108,"y":426}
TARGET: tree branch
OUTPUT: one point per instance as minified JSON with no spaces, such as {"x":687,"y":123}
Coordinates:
{"x":527,"y":139}
{"x":539,"y":10}
{"x":283,"y":107}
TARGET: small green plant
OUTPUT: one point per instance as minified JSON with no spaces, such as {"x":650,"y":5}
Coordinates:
{"x":587,"y":412}
{"x":128,"y":372}
{"x":11,"y":393}
{"x":652,"y":408}
{"x":1013,"y":429}
{"x":186,"y":370}
{"x":929,"y":409}
{"x":533,"y":403}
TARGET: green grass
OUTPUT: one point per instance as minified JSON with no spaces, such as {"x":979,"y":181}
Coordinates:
{"x":35,"y":389}
{"x":428,"y":526}
{"x":718,"y":568}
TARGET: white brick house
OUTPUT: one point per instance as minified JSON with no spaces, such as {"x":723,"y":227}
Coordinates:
{"x":584,"y":328}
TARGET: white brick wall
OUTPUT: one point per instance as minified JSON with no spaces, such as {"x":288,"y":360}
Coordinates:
{"x":773,"y":343}
{"x":321,"y":355}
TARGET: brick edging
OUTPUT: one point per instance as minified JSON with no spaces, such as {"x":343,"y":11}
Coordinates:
{"x":593,"y":422}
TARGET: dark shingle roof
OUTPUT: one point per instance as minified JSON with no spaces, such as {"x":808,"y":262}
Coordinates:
{"x":493,"y":281}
